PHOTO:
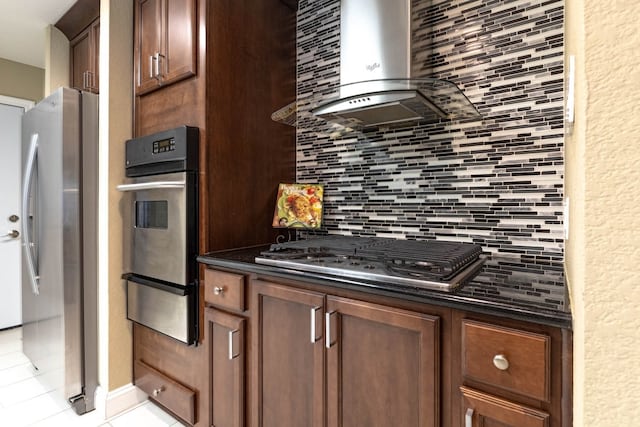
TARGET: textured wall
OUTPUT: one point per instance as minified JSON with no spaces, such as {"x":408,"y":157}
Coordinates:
{"x":603,"y":253}
{"x":498,"y":182}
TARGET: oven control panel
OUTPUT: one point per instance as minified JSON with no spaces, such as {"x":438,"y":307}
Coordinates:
{"x":173,"y":150}
{"x":164,"y":145}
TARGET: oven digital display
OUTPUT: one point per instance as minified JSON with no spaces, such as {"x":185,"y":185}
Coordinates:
{"x":164,"y":145}
{"x":152,"y":214}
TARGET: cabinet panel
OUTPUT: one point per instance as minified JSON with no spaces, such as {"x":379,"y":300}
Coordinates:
{"x":288,"y":358}
{"x":483,"y":410}
{"x":165,"y":390}
{"x":224,"y":289}
{"x":84,"y":54}
{"x":180,"y":41}
{"x":148,"y":31}
{"x":80,"y":52}
{"x":225,"y":338}
{"x":165,"y":42}
{"x":508,"y":358}
{"x":382,"y":366}
{"x":95,"y":76}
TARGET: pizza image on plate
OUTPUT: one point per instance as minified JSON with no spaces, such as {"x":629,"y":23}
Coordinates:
{"x":298,"y":206}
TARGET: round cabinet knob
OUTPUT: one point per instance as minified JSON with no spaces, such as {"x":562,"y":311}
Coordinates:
{"x":500,"y":361}
{"x":157,"y":391}
{"x":218,"y":290}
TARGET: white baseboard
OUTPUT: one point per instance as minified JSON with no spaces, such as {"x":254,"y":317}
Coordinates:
{"x":118,"y":400}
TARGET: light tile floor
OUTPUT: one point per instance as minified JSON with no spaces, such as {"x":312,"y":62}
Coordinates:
{"x":25,"y":401}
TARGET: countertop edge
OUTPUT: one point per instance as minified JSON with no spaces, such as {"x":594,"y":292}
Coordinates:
{"x":552,"y":318}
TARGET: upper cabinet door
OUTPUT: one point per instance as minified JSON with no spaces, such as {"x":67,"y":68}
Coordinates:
{"x":84,"y":58}
{"x":165,"y":42}
{"x":179,"y":59}
{"x":80,"y":57}
{"x":148,"y":36}
{"x":95,"y":77}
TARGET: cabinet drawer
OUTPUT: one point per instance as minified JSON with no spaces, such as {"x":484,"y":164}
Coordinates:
{"x":480,"y":409}
{"x":224,"y":289}
{"x":166,"y":391}
{"x":511,"y":359}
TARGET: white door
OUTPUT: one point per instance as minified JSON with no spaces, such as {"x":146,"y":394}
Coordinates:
{"x":10,"y":240}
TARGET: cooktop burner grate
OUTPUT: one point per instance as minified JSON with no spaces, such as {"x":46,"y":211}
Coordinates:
{"x":427,"y":264}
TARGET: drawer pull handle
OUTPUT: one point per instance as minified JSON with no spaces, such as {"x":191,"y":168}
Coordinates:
{"x":314,"y":337}
{"x":232,"y":353}
{"x":157,"y":391}
{"x":218,"y":290}
{"x":329,"y":342}
{"x":500,"y":361}
{"x":468,"y":418}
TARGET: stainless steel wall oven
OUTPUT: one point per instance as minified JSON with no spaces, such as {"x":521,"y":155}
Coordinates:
{"x":161,"y":226}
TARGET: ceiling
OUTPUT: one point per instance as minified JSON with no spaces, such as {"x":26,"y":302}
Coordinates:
{"x":23,"y":26}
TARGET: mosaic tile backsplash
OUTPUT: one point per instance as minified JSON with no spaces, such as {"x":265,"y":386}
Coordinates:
{"x":497,"y":182}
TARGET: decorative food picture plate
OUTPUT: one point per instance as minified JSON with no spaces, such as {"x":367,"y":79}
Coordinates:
{"x":298,"y":206}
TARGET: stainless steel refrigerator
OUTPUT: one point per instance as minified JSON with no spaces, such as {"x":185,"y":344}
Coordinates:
{"x":59,"y":232}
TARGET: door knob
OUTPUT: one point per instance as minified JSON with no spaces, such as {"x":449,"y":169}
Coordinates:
{"x":13,"y":234}
{"x":14,"y":218}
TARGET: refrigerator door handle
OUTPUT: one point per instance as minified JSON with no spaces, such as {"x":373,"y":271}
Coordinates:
{"x":27,"y":243}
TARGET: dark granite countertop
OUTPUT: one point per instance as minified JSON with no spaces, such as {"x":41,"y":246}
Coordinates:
{"x":506,"y":287}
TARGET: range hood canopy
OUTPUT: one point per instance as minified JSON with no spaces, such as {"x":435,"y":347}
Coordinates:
{"x":376,"y":86}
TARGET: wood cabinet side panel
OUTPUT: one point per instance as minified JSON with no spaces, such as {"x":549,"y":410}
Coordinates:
{"x":250,"y":74}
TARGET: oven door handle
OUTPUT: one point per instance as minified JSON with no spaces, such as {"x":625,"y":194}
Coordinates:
{"x":155,"y":185}
{"x":158,"y":284}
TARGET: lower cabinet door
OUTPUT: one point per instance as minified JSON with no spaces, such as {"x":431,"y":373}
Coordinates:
{"x":382,"y":366}
{"x":287,"y":383}
{"x":225,"y":335}
{"x":484,"y":410}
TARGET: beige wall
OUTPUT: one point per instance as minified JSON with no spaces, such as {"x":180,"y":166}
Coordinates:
{"x":116,"y":47}
{"x":603,"y":183}
{"x":21,"y":81}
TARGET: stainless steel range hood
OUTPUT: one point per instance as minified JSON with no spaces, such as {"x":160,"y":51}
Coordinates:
{"x":376,"y":84}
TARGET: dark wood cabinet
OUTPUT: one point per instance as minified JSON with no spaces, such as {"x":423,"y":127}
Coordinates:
{"x":511,"y":373}
{"x":382,"y":366}
{"x":288,"y":356}
{"x":485,"y":410}
{"x":165,"y":42}
{"x":168,"y":392}
{"x":327,"y":356}
{"x":84,"y":54}
{"x":171,"y":373}
{"x":222,"y":66}
{"x":382,"y":363}
{"x":225,"y":338}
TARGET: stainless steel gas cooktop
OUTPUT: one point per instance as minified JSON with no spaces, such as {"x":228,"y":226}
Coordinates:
{"x":429,"y":264}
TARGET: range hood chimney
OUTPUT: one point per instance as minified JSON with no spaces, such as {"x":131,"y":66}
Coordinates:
{"x":376,"y":84}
